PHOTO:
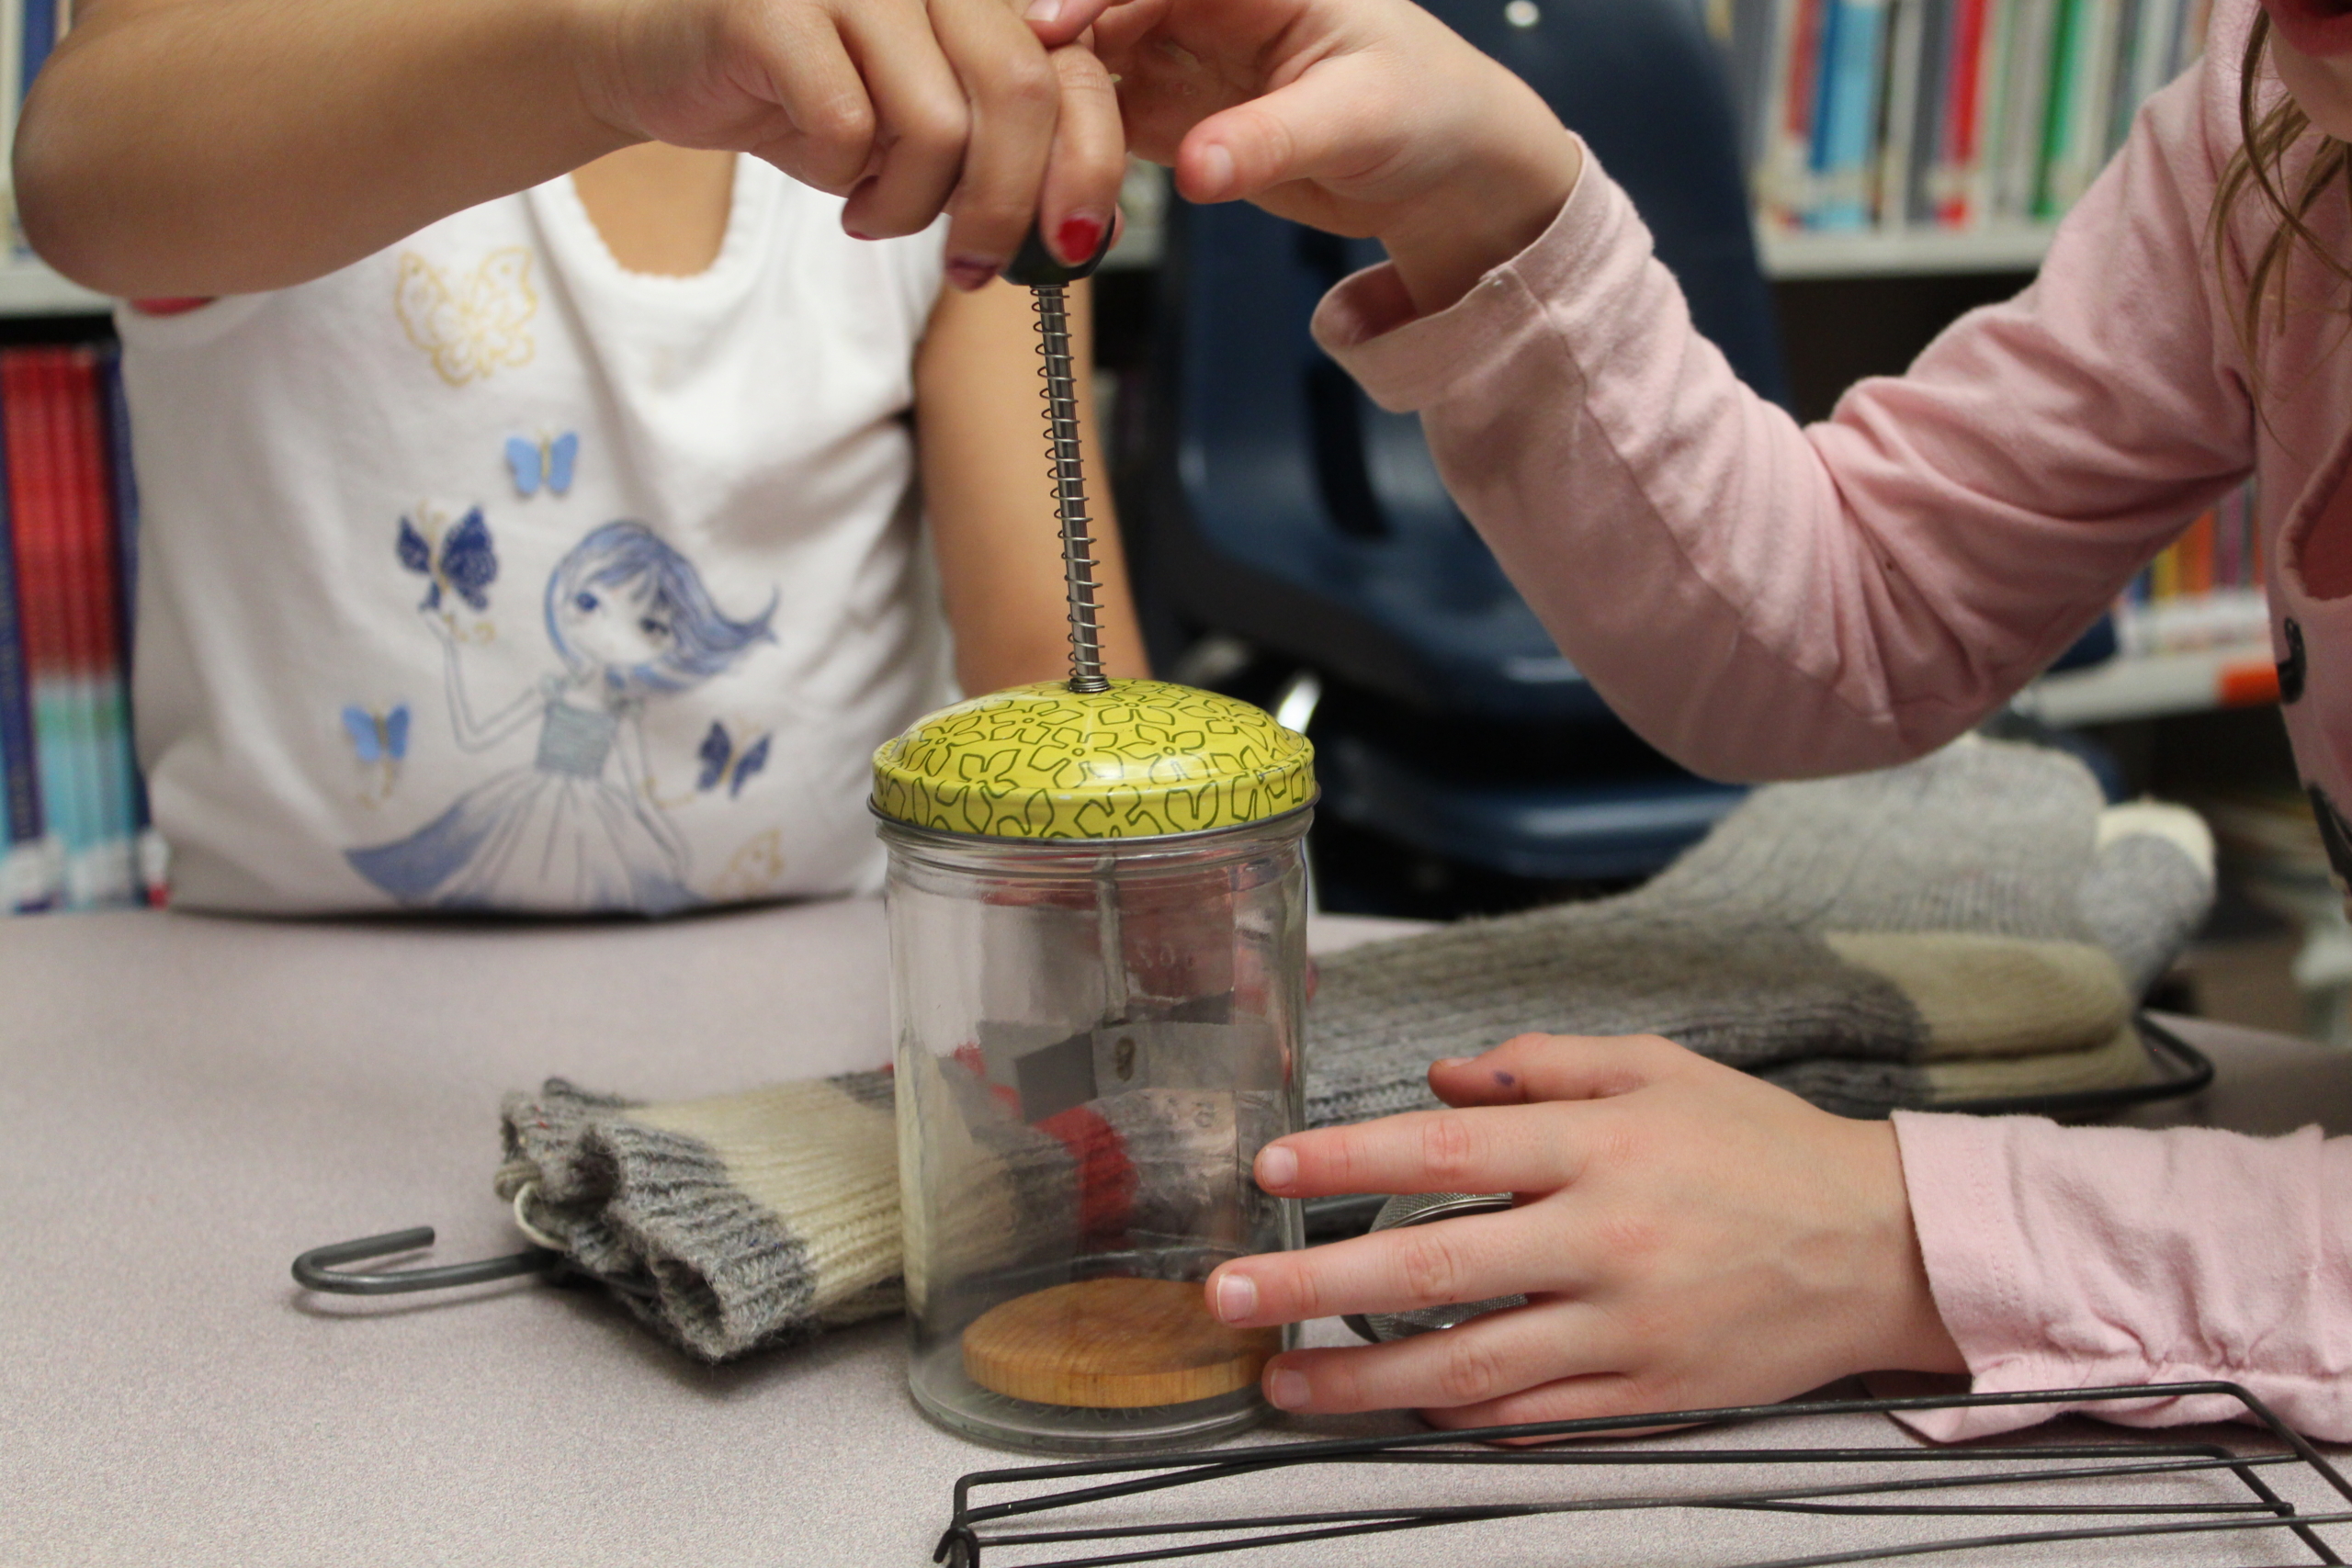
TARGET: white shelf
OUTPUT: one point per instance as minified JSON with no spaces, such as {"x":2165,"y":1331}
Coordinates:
{"x":2148,"y":685}
{"x":1894,"y":252}
{"x":1876,"y":253}
{"x":28,"y":289}
{"x":1785,"y":256}
{"x":1143,"y":204}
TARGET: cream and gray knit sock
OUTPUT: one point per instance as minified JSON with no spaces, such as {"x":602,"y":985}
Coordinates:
{"x":745,"y":1220}
{"x":1972,"y":926}
{"x":764,"y":1218}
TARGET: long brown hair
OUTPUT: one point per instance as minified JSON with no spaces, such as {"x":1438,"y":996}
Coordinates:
{"x":2259,"y":166}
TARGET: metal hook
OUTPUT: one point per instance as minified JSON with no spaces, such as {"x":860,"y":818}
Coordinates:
{"x":314,"y":1270}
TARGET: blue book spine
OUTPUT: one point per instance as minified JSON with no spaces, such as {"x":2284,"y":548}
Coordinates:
{"x":26,"y":823}
{"x":1825,"y":70}
{"x":39,"y":38}
{"x":150,"y":866}
{"x":1847,"y":129}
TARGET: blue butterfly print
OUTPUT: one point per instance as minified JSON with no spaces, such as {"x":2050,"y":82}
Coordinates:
{"x":546,"y":462}
{"x":722,"y":762}
{"x":467,"y":564}
{"x":378,"y":738}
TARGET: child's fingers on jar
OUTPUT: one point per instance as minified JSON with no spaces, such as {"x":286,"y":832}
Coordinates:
{"x":1533,"y":1067}
{"x":922,"y":121}
{"x":1470,"y":1367}
{"x":1080,"y":200}
{"x":1499,"y":1148}
{"x":1471,"y":1259}
{"x":1015,"y":97}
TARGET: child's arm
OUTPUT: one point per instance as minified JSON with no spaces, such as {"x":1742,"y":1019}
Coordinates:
{"x":1692,"y":1238}
{"x":1689,"y":1237}
{"x":201,"y":147}
{"x":980,"y":426}
{"x":1759,"y":600}
{"x":2076,"y":1256}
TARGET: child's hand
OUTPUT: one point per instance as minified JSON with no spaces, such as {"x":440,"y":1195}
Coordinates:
{"x":1688,"y":1237}
{"x":905,"y":108}
{"x":1362,"y":116}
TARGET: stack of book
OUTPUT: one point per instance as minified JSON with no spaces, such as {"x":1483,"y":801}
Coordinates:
{"x":28,"y":30}
{"x":2204,"y":591}
{"x":77,"y":833}
{"x":1951,"y":114}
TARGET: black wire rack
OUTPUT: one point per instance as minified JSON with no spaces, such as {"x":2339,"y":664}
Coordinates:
{"x":2004,"y":1501}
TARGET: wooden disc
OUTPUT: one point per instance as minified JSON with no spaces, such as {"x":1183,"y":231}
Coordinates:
{"x":1113,"y":1344}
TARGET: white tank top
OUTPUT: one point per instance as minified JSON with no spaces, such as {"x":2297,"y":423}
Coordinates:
{"x":484,"y":573}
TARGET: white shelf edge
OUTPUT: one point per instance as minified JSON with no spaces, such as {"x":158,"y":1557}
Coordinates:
{"x":1900,"y":252}
{"x":2148,"y":685}
{"x":29,"y":289}
{"x":1787,"y":256}
{"x":1138,"y":250}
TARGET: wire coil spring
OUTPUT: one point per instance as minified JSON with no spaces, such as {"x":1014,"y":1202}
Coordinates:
{"x":1067,"y":459}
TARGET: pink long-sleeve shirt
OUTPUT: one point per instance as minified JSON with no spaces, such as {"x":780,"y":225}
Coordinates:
{"x":1761,"y":599}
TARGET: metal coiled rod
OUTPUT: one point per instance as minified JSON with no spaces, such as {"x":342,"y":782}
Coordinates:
{"x":1062,"y":450}
{"x":1037,"y":269}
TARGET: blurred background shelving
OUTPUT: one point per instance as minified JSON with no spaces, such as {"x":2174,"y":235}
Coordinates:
{"x":1789,"y":256}
{"x":29,"y":289}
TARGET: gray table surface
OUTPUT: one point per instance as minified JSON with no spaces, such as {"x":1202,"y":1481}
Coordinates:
{"x":186,"y":1102}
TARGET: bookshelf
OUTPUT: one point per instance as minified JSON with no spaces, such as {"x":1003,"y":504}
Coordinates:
{"x":1143,"y":210}
{"x":29,"y":289}
{"x":1785,"y":257}
{"x":1894,"y":253}
{"x":2151,"y":685}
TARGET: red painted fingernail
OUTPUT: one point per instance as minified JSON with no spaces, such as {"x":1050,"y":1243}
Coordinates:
{"x":968,"y":272}
{"x":1078,"y":236}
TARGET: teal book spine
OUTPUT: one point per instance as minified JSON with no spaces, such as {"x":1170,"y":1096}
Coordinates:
{"x":1852,"y":68}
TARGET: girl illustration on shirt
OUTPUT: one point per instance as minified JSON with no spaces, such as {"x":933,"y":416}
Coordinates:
{"x":631,"y":620}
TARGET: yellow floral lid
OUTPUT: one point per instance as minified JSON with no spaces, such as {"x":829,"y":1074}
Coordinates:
{"x":1142,"y":759}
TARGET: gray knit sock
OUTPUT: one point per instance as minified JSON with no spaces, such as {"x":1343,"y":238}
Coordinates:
{"x":1972,"y":925}
{"x":729,"y":1224}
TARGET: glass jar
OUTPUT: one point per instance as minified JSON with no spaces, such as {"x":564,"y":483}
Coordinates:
{"x":1094,"y":1038}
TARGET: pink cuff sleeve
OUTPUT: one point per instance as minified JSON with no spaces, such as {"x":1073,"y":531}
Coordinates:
{"x":1405,"y":363}
{"x":2083,"y":1256}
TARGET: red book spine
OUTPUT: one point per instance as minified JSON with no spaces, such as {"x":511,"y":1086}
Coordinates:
{"x":41,"y":610}
{"x":37,"y":583}
{"x":1963,"y":105}
{"x":1804,"y":64}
